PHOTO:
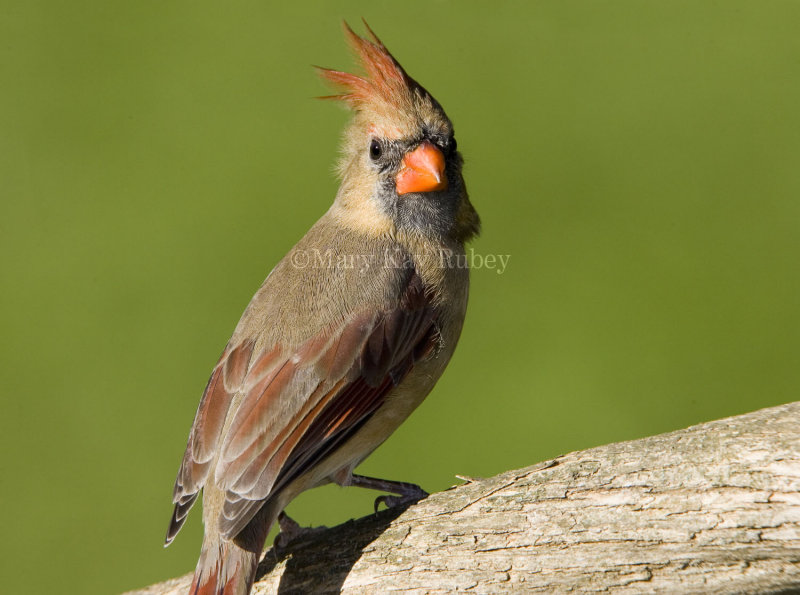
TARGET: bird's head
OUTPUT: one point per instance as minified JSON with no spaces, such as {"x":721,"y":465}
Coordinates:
{"x":400,"y":166}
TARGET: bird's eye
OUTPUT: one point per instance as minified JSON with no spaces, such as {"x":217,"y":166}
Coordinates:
{"x":375,"y":150}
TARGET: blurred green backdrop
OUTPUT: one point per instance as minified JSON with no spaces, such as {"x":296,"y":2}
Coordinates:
{"x":637,"y":161}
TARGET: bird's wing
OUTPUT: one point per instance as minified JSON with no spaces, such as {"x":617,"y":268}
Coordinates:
{"x":226,"y":380}
{"x":298,"y":405}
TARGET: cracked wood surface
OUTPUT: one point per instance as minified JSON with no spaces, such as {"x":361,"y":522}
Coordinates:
{"x":714,"y":508}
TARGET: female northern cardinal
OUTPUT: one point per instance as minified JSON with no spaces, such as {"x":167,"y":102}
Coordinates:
{"x":347,"y":335}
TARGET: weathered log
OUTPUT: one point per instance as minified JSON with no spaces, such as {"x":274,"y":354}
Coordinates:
{"x":714,"y":508}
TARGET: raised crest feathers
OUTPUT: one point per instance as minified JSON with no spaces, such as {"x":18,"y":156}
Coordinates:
{"x":384,"y":81}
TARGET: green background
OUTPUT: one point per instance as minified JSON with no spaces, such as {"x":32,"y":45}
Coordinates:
{"x":638,"y":161}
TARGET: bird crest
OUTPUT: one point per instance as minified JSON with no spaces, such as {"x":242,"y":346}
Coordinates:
{"x":384,"y":80}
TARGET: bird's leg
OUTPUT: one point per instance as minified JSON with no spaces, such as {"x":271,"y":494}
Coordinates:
{"x":291,"y":530}
{"x":406,"y":493}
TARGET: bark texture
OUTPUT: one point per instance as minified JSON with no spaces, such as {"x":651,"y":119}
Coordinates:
{"x":714,"y":508}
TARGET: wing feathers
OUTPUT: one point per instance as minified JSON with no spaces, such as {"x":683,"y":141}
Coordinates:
{"x":298,"y":406}
{"x":252,"y":416}
{"x":225,"y":380}
{"x":354,"y":367}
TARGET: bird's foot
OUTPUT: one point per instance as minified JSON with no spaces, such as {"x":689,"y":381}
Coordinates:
{"x":402,"y":501}
{"x":404,"y":493}
{"x":291,"y":530}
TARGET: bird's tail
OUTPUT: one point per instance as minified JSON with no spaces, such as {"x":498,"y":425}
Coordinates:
{"x":224,"y":568}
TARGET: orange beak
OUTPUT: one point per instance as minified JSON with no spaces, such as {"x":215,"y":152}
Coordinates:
{"x":422,"y":170}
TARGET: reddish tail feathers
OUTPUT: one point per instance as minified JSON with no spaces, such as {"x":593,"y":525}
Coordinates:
{"x":224,"y":569}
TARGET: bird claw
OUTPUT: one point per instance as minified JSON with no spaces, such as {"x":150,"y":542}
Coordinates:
{"x":406,"y":499}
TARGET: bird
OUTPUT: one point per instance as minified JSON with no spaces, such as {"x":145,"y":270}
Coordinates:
{"x":346,"y":336}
